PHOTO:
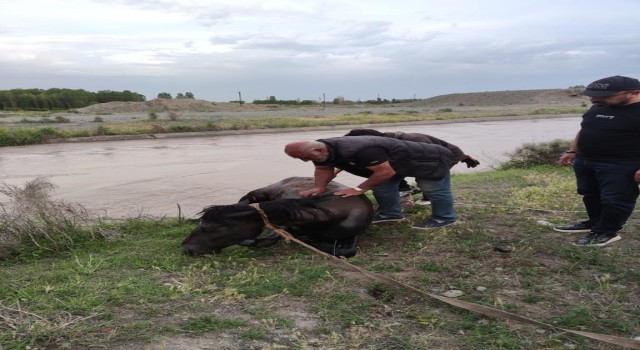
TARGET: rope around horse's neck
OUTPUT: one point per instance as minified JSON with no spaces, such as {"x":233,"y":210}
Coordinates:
{"x":485,"y":310}
{"x":286,"y":236}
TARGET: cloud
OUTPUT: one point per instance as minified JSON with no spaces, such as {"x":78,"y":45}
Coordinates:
{"x":296,"y":48}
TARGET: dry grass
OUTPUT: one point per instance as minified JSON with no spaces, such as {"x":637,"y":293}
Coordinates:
{"x":32,"y":217}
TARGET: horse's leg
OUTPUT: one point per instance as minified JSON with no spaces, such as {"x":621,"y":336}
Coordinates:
{"x":344,"y":247}
{"x":264,"y":240}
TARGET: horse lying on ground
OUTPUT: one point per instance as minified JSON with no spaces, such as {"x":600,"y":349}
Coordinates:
{"x":327,"y":222}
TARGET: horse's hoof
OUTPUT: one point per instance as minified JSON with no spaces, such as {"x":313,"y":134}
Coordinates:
{"x":345,"y":253}
{"x":248,"y":243}
{"x":266,"y":242}
{"x":268,"y":239}
{"x":343,"y":249}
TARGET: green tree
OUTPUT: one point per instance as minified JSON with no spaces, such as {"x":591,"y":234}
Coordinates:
{"x":164,"y":95}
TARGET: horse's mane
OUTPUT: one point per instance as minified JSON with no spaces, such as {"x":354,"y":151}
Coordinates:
{"x":221,"y":212}
{"x":294,"y":209}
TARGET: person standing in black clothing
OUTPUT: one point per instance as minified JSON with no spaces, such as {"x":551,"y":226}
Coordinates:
{"x":605,"y":155}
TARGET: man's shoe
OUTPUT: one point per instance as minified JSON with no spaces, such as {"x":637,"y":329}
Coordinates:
{"x":431,"y":223}
{"x":586,"y":240}
{"x":603,"y":239}
{"x":404,"y":187}
{"x":422,"y":202}
{"x":380,"y":219}
{"x":583,"y":226}
{"x":598,"y":239}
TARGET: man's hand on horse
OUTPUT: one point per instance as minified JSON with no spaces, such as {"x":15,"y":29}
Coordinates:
{"x":312,"y":192}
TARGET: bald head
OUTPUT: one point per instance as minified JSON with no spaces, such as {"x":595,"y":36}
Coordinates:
{"x":307,"y":150}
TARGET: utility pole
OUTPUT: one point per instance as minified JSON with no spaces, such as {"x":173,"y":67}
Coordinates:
{"x":324,"y":101}
{"x":239,"y":97}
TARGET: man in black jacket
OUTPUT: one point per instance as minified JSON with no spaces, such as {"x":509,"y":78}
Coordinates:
{"x":384,"y":162}
{"x":605,"y":155}
{"x":458,"y":154}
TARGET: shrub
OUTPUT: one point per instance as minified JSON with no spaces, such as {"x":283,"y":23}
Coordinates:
{"x":102,"y":130}
{"x":531,"y":154}
{"x":18,"y":137}
{"x":32,"y":218}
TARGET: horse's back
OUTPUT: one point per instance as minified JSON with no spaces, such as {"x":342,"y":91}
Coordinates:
{"x":288,"y":188}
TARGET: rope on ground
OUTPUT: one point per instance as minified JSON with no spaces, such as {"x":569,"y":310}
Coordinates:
{"x":485,"y":310}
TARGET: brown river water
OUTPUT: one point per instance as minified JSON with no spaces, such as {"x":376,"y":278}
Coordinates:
{"x":153,"y":176}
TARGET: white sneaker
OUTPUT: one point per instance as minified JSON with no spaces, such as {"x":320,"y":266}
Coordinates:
{"x":422,"y":202}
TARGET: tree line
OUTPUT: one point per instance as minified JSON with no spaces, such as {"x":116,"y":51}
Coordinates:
{"x":52,"y":99}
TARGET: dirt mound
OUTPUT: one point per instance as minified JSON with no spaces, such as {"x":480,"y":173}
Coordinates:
{"x":505,"y":98}
{"x":157,"y":105}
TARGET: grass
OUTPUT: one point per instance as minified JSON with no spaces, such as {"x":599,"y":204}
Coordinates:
{"x":130,"y":286}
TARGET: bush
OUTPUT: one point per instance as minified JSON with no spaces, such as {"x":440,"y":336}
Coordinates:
{"x":531,"y":154}
{"x":19,"y":137}
{"x":32,"y":218}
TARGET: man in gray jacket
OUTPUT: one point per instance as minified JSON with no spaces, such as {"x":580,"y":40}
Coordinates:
{"x":384,"y":162}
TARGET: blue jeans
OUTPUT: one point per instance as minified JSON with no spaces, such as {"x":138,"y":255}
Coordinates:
{"x":609,"y":192}
{"x":438,"y":192}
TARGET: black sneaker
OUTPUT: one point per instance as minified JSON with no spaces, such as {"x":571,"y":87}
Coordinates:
{"x":404,"y":187}
{"x":586,"y":240}
{"x":598,"y":239}
{"x":381,"y":218}
{"x":584,"y":226}
{"x":431,"y":223}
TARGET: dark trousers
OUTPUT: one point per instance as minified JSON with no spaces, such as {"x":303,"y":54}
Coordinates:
{"x":609,"y":192}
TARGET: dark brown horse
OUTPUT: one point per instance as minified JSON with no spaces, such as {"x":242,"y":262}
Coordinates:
{"x":327,"y":222}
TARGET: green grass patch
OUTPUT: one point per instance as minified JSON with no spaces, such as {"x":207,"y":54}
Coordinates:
{"x":104,"y":284}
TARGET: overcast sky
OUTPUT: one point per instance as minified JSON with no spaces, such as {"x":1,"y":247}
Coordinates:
{"x":306,"y":48}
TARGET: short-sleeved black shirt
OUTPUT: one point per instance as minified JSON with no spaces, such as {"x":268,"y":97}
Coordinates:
{"x":366,"y":157}
{"x":611,"y":133}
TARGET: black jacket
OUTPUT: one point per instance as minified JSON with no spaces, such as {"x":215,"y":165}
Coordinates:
{"x":414,"y":159}
{"x":458,"y":155}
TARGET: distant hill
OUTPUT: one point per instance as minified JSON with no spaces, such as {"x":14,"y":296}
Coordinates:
{"x":547,"y":97}
{"x":507,"y":98}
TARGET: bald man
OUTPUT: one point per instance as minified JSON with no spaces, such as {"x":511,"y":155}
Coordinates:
{"x":384,"y":162}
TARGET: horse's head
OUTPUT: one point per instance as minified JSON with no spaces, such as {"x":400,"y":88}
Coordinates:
{"x":222,"y":226}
